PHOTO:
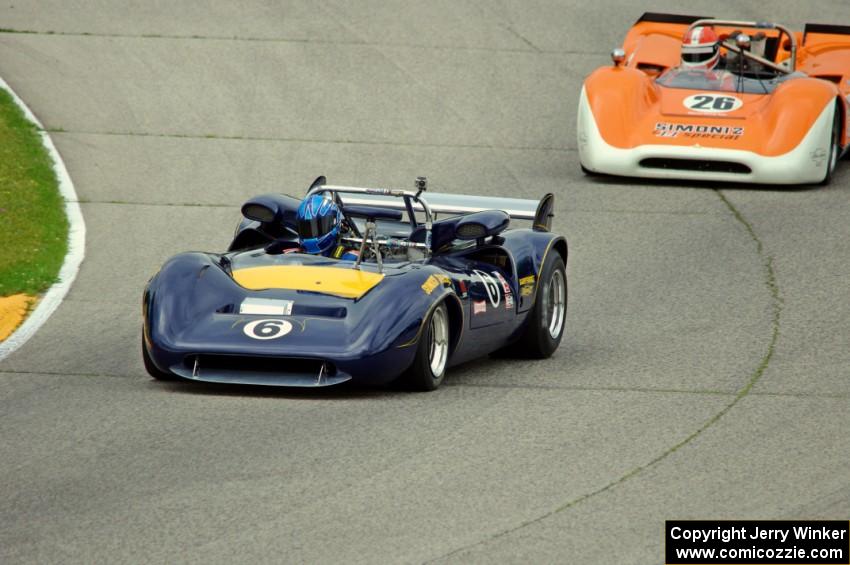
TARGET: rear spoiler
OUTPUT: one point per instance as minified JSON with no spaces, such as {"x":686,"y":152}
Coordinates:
{"x":451,"y":204}
{"x":660,"y":18}
{"x":825,"y":29}
{"x":540,"y":212}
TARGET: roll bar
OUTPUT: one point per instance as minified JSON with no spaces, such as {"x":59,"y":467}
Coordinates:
{"x":414,"y":201}
{"x":756,"y":25}
{"x":408,"y":198}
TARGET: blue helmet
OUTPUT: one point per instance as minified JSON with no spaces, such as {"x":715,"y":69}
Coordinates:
{"x":318,"y":219}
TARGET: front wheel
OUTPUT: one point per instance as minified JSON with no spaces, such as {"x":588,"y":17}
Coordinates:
{"x":429,"y":366}
{"x":546,"y":321}
{"x":152,"y":369}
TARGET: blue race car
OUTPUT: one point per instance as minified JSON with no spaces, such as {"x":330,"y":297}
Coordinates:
{"x":422,"y":295}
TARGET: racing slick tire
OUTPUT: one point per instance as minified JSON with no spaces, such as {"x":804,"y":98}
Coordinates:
{"x":546,"y":321}
{"x":432,"y":353}
{"x":834,"y":147}
{"x":152,"y":369}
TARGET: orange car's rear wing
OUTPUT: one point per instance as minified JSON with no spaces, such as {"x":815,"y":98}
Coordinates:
{"x":659,"y":18}
{"x":827,"y":53}
{"x":814,"y":34}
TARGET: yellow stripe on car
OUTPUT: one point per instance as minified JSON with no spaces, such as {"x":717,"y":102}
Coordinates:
{"x":347,"y":283}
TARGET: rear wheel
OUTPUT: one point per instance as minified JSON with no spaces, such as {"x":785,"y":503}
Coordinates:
{"x":834,"y":147}
{"x":545,"y":326}
{"x":152,"y":369}
{"x":432,"y":353}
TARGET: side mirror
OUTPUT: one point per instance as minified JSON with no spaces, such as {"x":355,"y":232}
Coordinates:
{"x":618,"y":55}
{"x":262,"y":209}
{"x":272,"y":209}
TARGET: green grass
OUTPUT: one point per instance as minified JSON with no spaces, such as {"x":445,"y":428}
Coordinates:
{"x":33,"y":226}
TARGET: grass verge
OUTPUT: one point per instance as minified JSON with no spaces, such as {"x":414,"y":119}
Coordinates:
{"x":33,"y":226}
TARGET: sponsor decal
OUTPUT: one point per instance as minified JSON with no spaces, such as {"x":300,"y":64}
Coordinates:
{"x":267,"y":329}
{"x":430,"y":284}
{"x":479,"y":307}
{"x":505,"y":286}
{"x":493,"y":294}
{"x":461,"y":285}
{"x":818,"y":156}
{"x":509,"y":295}
{"x":433,"y":281}
{"x":526,"y":285}
{"x":667,"y":129}
{"x":708,"y":103}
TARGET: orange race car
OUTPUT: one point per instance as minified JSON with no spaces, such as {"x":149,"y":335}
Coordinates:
{"x":707,"y":99}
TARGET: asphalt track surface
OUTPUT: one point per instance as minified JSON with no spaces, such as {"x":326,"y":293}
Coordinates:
{"x":703,"y":373}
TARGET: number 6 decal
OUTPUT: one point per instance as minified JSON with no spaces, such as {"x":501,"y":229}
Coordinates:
{"x":267,"y":329}
{"x":712,"y":103}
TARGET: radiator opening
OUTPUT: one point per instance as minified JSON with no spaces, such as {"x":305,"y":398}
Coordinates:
{"x":275,"y":365}
{"x":700,"y":165}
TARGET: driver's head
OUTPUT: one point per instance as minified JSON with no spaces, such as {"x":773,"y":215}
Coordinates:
{"x":319,"y":219}
{"x":700,"y":49}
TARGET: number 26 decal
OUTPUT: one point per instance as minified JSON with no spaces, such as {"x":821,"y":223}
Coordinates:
{"x":712,"y":103}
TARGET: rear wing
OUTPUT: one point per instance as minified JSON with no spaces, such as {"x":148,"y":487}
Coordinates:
{"x":820,"y":33}
{"x":540,"y":211}
{"x":659,"y":18}
{"x":446,"y":204}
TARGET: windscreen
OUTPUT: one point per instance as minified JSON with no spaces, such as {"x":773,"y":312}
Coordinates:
{"x":723,"y":80}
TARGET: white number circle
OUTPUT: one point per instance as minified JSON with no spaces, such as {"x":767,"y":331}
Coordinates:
{"x":712,"y":103}
{"x":267,"y":329}
{"x":490,"y":286}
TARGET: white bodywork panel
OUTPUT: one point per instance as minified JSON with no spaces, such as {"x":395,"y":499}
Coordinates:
{"x":806,"y":163}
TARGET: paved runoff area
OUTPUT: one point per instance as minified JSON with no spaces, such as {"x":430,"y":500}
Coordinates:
{"x":704,"y":370}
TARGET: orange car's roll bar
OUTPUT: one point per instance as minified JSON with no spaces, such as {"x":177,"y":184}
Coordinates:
{"x":756,"y":25}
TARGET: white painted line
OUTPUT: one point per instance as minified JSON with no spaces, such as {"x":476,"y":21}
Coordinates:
{"x":76,"y":241}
